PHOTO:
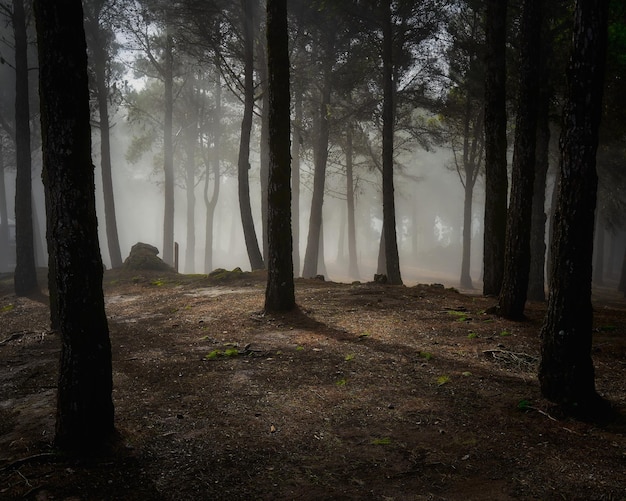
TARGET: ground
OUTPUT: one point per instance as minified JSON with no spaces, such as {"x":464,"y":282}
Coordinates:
{"x":368,"y":391}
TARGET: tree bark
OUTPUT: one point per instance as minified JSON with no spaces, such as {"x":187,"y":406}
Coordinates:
{"x":25,"y":269}
{"x":84,"y":419}
{"x":279,"y":293}
{"x":622,"y":281}
{"x":566,"y":373}
{"x":311,"y":256}
{"x":517,"y":245}
{"x":496,"y":181}
{"x":295,"y":179}
{"x":353,"y":266}
{"x":597,"y":277}
{"x":4,"y":214}
{"x":389,"y":209}
{"x":168,"y":151}
{"x":243,"y":164}
{"x":211,"y":203}
{"x":191,"y":143}
{"x":536,"y":277}
{"x":100,"y":62}
{"x":264,"y":139}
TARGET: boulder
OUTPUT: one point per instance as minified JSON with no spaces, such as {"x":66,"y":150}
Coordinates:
{"x":144,"y":257}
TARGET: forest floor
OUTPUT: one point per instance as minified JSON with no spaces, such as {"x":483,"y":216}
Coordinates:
{"x":366,"y":392}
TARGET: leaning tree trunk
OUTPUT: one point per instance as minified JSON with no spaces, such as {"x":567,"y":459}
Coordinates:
{"x":566,"y":372}
{"x":110,"y":218}
{"x":264,"y":140}
{"x":243,"y":163}
{"x":392,"y":259}
{"x":25,"y":269}
{"x":84,"y":420}
{"x":517,"y":245}
{"x":279,"y":293}
{"x":311,"y":256}
{"x":496,"y":181}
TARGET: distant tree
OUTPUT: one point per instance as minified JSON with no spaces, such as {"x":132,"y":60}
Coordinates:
{"x":279,"y":294}
{"x":496,"y":181}
{"x":25,"y":268}
{"x":514,"y":288}
{"x":566,"y":372}
{"x":84,"y":420}
{"x":4,"y":213}
{"x":243,"y":165}
{"x":101,"y":43}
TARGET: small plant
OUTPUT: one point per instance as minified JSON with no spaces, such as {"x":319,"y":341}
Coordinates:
{"x":523,"y":405}
{"x":159,"y":282}
{"x":213,"y":355}
{"x":441,"y":380}
{"x":341,"y":382}
{"x":505,"y":333}
{"x":425,"y":355}
{"x":8,"y":307}
{"x":461,"y":316}
{"x":349,"y":356}
{"x":606,"y":328}
{"x":365,"y":335}
{"x":231,"y":352}
{"x":472,"y":335}
{"x":299,"y":348}
{"x":381,"y":441}
{"x":466,"y":373}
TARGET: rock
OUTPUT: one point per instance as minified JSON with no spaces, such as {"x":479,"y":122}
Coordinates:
{"x":144,"y":257}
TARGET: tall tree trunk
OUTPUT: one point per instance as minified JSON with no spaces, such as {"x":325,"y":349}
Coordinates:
{"x":191,"y":141}
{"x":84,"y":420}
{"x":211,"y":203}
{"x":566,"y":372}
{"x":168,"y":151}
{"x":100,"y":62}
{"x":517,"y":249}
{"x":279,"y":293}
{"x":466,"y":279}
{"x":622,"y":281}
{"x":295,"y":178}
{"x":536,"y":278}
{"x":389,"y":208}
{"x":243,"y":163}
{"x":264,"y":153}
{"x":25,"y":269}
{"x":598,"y":250}
{"x":4,"y":214}
{"x":496,"y":181}
{"x":353,"y":266}
{"x":311,"y":255}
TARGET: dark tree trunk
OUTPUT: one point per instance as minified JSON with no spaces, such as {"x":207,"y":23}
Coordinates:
{"x":100,"y":62}
{"x":243,"y":164}
{"x":25,"y":268}
{"x":168,"y":152}
{"x":295,"y":179}
{"x":279,"y":294}
{"x":536,"y":278}
{"x":550,"y":220}
{"x":311,"y":255}
{"x":566,"y":372}
{"x":191,"y":142}
{"x":517,"y":249}
{"x":211,"y":203}
{"x":622,"y":281}
{"x":389,"y":209}
{"x":597,"y":276}
{"x":4,"y":214}
{"x":381,"y":265}
{"x":496,"y":181}
{"x":466,"y":279}
{"x":264,"y":153}
{"x":353,"y":266}
{"x":84,"y":420}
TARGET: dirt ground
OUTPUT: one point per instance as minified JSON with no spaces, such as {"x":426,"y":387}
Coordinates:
{"x":367,"y":392}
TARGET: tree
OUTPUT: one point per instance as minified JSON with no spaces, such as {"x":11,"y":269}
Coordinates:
{"x":514,"y":288}
{"x":84,"y":419}
{"x":279,"y":294}
{"x":243,"y":164}
{"x":496,"y":181}
{"x":566,"y":372}
{"x":392,"y":260}
{"x":25,"y":269}
{"x":100,"y":40}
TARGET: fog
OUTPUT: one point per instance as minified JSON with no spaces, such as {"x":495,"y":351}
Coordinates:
{"x":433,"y":203}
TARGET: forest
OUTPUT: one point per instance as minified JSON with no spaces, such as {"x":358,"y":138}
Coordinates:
{"x":337,"y":157}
